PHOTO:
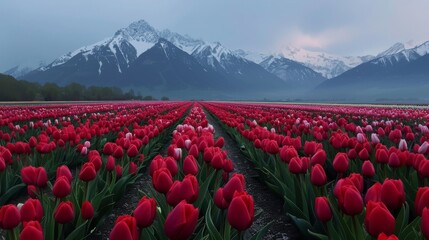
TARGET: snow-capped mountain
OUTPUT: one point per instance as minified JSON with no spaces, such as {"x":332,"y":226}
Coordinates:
{"x":292,"y":72}
{"x":252,"y":56}
{"x":230,"y":65}
{"x":398,"y":47}
{"x":18,"y":71}
{"x":134,"y":53}
{"x":404,"y":71}
{"x":329,"y":65}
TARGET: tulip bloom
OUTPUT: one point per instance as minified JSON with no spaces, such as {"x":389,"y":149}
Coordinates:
{"x":424,"y":226}
{"x":88,"y":172}
{"x":162,"y":180}
{"x":236,"y":183}
{"x":219,"y":200}
{"x":373,"y":193}
{"x":350,"y":200}
{"x":383,"y":236}
{"x":368,"y":169}
{"x":181,"y":221}
{"x":87,"y":210}
{"x":378,"y":219}
{"x":31,"y":230}
{"x":392,"y":193}
{"x":64,"y":171}
{"x":341,"y":162}
{"x":318,"y":175}
{"x":9,"y":217}
{"x":190,"y":165}
{"x":64,"y":213}
{"x":31,"y":210}
{"x":145,"y":212}
{"x":322,"y":209}
{"x":125,"y":229}
{"x":422,"y":200}
{"x":132,"y":151}
{"x":241,"y":211}
{"x":62,"y":187}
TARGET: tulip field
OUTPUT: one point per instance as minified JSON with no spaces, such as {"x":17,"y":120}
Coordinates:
{"x":341,"y":172}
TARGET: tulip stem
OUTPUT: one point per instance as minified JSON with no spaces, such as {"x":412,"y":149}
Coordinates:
{"x":60,"y":231}
{"x":358,"y":228}
{"x":11,"y":234}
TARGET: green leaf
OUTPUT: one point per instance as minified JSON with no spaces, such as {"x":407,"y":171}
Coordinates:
{"x":78,"y":232}
{"x":11,"y":193}
{"x":214,"y":233}
{"x":262,"y":232}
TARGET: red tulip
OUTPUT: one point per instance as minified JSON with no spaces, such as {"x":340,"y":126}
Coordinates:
{"x":61,"y":187}
{"x":363,"y":154}
{"x":423,"y":168}
{"x":422,"y":200}
{"x":190,"y":188}
{"x":145,"y":212}
{"x":118,"y":152}
{"x":272,"y":147}
{"x":171,"y":165}
{"x":378,"y":219}
{"x":381,"y":156}
{"x":181,"y":221}
{"x":110,"y":165}
{"x":392,"y":193}
{"x":162,"y":180}
{"x":108,"y":148}
{"x":241,"y":211}
{"x":341,"y":162}
{"x":190,"y":165}
{"x":31,"y":210}
{"x":174,"y":194}
{"x":9,"y":217}
{"x":394,"y":160}
{"x":383,"y":236}
{"x":318,"y":175}
{"x":87,"y":210}
{"x":87,"y":173}
{"x":228,"y":166}
{"x":373,"y":193}
{"x":310,"y":148}
{"x":424,"y":226}
{"x":350,"y":200}
{"x":125,"y":229}
{"x":287,"y":153}
{"x":299,"y":165}
{"x":220,"y":142}
{"x":64,"y":213}
{"x":64,"y":171}
{"x":236,"y":183}
{"x":368,"y":169}
{"x":219,"y":200}
{"x":322,"y":209}
{"x":31,"y":230}
{"x":319,"y":157}
{"x":194,"y":151}
{"x":132,"y":151}
{"x":118,"y":170}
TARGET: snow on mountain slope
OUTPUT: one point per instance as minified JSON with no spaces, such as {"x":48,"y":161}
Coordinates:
{"x":329,"y":65}
{"x":18,"y":71}
{"x":252,"y":56}
{"x":398,"y":52}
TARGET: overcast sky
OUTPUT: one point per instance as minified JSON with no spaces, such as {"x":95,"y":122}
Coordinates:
{"x":42,"y":30}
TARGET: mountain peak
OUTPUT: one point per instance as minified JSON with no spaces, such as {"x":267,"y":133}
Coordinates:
{"x":397,"y":47}
{"x":140,"y":31}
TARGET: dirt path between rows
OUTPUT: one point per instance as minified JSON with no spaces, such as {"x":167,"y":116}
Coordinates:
{"x":128,"y":202}
{"x":270,"y":203}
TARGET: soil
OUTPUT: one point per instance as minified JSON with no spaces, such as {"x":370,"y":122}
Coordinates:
{"x":265,"y":200}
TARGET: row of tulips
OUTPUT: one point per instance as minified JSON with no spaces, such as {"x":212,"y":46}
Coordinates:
{"x":365,"y":186}
{"x":68,"y":207}
{"x":192,"y":194}
{"x":66,"y":140}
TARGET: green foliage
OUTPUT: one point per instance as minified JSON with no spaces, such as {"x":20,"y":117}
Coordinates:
{"x":20,"y":90}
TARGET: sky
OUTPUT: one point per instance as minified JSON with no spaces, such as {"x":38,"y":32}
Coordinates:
{"x":34,"y":32}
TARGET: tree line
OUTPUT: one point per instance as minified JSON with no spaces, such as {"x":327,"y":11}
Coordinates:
{"x":21,"y":90}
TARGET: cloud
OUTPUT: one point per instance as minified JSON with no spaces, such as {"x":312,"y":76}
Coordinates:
{"x":321,"y":40}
